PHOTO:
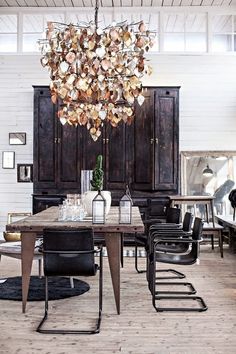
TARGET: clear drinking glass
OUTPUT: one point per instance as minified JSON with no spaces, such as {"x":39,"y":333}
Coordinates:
{"x":60,"y":212}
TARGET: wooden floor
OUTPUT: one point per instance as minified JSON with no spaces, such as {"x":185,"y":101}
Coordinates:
{"x":139,"y":329}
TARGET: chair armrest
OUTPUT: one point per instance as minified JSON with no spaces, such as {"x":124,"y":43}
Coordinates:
{"x":68,"y":252}
{"x":161,"y":236}
{"x":169,"y":234}
{"x":167,"y":226}
{"x":179,"y":240}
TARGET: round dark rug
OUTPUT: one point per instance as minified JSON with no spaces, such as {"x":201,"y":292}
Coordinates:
{"x":58,"y":288}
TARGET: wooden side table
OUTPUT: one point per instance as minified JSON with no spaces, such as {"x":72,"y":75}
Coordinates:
{"x":206,"y":200}
{"x":216,"y":230}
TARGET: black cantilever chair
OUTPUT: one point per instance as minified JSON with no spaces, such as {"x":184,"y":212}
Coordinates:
{"x":169,"y":230}
{"x":141,"y":240}
{"x":70,"y":253}
{"x":188,"y":258}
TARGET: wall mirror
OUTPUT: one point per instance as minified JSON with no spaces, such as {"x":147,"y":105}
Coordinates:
{"x":17,"y":138}
{"x":24,"y":173}
{"x":209,"y":173}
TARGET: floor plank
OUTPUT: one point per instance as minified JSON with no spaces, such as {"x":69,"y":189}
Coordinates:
{"x":139,"y":329}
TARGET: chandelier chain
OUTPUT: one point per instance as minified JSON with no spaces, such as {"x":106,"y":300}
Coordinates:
{"x":96,"y":15}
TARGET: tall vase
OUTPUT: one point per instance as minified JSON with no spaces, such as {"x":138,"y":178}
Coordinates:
{"x":88,"y":200}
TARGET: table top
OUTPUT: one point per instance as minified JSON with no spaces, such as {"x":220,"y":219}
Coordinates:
{"x":227,"y":220}
{"x":209,"y":226}
{"x":192,"y":198}
{"x":49,"y":218}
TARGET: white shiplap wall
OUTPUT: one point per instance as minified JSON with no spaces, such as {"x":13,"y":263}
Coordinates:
{"x":207,"y":109}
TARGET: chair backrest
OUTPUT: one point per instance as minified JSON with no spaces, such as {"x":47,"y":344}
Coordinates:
{"x":197,"y":229}
{"x":156,"y":209}
{"x":232,"y":198}
{"x":196,"y":235}
{"x":187,"y":222}
{"x":79,"y":242}
{"x":173,"y":215}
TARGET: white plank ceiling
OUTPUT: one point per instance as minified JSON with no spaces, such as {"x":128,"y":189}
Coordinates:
{"x":114,"y":3}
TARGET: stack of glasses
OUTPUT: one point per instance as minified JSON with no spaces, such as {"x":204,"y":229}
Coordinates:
{"x":72,"y":208}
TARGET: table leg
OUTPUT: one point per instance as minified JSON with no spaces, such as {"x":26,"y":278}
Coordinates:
{"x":113,"y":244}
{"x":27,"y":255}
{"x":212,"y":213}
{"x":221,"y":243}
{"x":207,"y":213}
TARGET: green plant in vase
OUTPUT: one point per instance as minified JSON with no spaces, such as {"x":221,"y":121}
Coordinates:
{"x":97,"y":180}
{"x":97,"y":186}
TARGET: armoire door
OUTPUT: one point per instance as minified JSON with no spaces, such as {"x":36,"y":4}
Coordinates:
{"x":166,"y":139}
{"x":45,"y":143}
{"x":117,"y":156}
{"x":90,"y":149}
{"x":143,"y":148}
{"x":69,"y":157}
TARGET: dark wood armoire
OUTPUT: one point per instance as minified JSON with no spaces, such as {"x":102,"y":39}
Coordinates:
{"x":144,"y":154}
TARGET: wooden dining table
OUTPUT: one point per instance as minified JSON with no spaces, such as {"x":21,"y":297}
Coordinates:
{"x":32,"y":227}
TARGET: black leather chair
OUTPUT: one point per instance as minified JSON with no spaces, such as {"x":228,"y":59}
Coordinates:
{"x":169,"y":230}
{"x":141,"y":240}
{"x":187,"y":258}
{"x":232,"y":199}
{"x":70,"y":253}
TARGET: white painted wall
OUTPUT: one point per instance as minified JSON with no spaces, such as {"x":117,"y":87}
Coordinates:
{"x":207,"y":109}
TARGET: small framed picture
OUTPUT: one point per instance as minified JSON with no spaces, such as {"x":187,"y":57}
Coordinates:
{"x":25,"y":173}
{"x":8,"y":159}
{"x":17,"y":138}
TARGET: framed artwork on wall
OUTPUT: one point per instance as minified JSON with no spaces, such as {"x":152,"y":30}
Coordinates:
{"x":8,"y":159}
{"x":17,"y":138}
{"x":24,"y":173}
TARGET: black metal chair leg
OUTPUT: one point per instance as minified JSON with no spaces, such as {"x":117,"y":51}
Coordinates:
{"x":203,"y":306}
{"x":188,"y":285}
{"x":40,"y":262}
{"x":156,"y":297}
{"x":66,"y":331}
{"x":212,"y":242}
{"x":100,"y":294}
{"x":221,"y":244}
{"x":177,"y":275}
{"x":45,"y":307}
{"x":136,"y":260}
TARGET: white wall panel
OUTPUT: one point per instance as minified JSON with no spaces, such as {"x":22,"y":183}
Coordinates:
{"x":207,"y":110}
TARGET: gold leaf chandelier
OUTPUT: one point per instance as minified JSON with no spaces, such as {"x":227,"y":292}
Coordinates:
{"x":96,"y":72}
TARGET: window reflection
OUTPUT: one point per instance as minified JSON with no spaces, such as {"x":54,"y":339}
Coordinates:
{"x":222,"y":32}
{"x":8,"y":33}
{"x":185,"y":32}
{"x":219,"y":180}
